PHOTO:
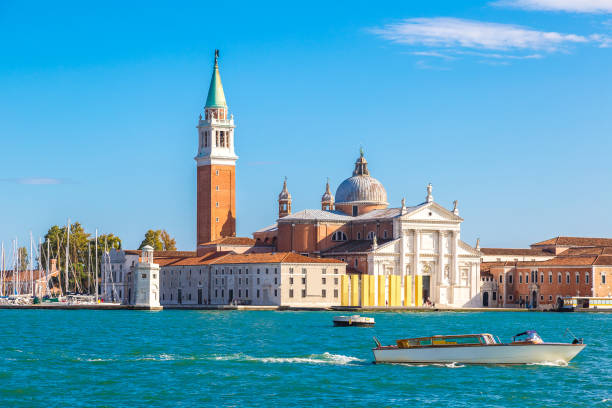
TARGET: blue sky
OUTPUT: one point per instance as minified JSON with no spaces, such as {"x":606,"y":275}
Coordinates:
{"x":505,"y":106}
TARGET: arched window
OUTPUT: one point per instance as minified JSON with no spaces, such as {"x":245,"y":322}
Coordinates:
{"x":567,"y":277}
{"x":371,"y":235}
{"x":206,"y":139}
{"x":586,"y":278}
{"x":510,"y":279}
{"x":359,"y":235}
{"x":559,"y":277}
{"x":520,"y":278}
{"x":385,"y":234}
{"x":549,"y":277}
{"x":501,"y":280}
{"x":338,"y":236}
{"x":577,"y":277}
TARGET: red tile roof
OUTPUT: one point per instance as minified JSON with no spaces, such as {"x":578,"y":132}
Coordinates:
{"x":576,"y":241}
{"x":246,"y":241}
{"x":161,"y":253}
{"x":514,"y":251}
{"x":227,"y":257}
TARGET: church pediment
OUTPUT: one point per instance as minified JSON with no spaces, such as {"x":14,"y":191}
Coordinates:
{"x":431,"y":212}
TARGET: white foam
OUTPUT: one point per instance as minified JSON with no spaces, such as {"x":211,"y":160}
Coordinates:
{"x":558,"y":363}
{"x":325,"y":358}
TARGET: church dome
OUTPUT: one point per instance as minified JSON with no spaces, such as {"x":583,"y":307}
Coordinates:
{"x":361,"y":189}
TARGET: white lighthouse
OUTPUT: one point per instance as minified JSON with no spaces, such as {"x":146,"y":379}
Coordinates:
{"x":146,"y":280}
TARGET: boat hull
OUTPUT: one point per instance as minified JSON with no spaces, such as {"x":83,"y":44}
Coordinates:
{"x":484,"y":354}
{"x":356,"y":324}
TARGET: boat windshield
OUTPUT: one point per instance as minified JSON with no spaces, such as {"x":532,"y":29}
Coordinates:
{"x":446,"y":340}
{"x":529,"y":336}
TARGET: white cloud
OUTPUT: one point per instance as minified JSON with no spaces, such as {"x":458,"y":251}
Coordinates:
{"x":446,"y":32}
{"x":575,"y":6}
{"x":35,"y":180}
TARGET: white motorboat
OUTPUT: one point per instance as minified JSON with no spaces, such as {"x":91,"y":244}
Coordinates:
{"x":354,"y":320}
{"x":525,"y":348}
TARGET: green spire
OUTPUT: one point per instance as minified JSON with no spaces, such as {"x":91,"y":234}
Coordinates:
{"x":216,"y":97}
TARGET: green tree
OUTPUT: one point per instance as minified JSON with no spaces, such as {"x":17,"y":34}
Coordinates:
{"x":23,"y":259}
{"x":168,"y":242}
{"x":152,"y":238}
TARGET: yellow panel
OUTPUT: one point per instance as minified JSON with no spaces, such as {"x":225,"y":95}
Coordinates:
{"x":408,"y":291}
{"x":418,"y":290}
{"x":354,"y":290}
{"x":398,"y":291}
{"x":392,"y":290}
{"x":372,"y":289}
{"x":344,"y":282}
{"x":365,"y":289}
{"x":381,"y":290}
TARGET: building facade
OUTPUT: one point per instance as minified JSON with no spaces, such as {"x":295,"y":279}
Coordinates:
{"x":420,"y":244}
{"x":573,"y":267}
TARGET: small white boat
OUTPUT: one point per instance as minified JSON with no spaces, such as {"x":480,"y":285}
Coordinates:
{"x":525,"y":348}
{"x":354,"y":320}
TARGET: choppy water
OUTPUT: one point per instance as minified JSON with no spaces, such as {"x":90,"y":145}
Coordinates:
{"x":244,"y":358}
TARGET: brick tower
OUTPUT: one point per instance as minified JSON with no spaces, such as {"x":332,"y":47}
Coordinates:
{"x":216,"y":163}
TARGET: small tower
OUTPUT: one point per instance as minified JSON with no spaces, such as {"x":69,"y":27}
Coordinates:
{"x":284,"y":201}
{"x":327,"y":201}
{"x":146,"y":280}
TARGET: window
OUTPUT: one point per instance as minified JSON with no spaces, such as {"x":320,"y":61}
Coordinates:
{"x":603,"y":278}
{"x":267,"y":272}
{"x":303,"y":292}
{"x":323,"y":281}
{"x":304,"y":271}
{"x":258,"y":281}
{"x":549,"y":277}
{"x":144,"y":275}
{"x":577,"y":278}
{"x":247,"y":281}
{"x":385,"y":234}
{"x":335,"y":281}
{"x":494,"y":296}
{"x":559,"y":277}
{"x":526,"y":278}
{"x":541,"y":278}
{"x":510,"y":279}
{"x":355,"y":212}
{"x":290,"y":293}
{"x":257,"y":293}
{"x":323,"y":271}
{"x":586,"y":277}
{"x":338,"y":236}
{"x":291,"y":281}
{"x":258,"y":271}
{"x":275,"y":292}
{"x":246,"y":293}
{"x":541,"y":297}
{"x":335,"y":293}
{"x":216,"y":294}
{"x":217,"y":219}
{"x":501,"y":280}
{"x":323,"y":293}
{"x":303,"y":281}
{"x":216,"y":172}
{"x":520,"y":278}
{"x":356,"y":263}
{"x":155,"y":276}
{"x":276,"y":281}
{"x":567,"y":277}
{"x":217,"y":138}
{"x":275,"y":271}
{"x":510,"y":297}
{"x":359,"y":235}
{"x":549,"y":297}
{"x":371,"y":235}
{"x":290,"y":270}
{"x":217,"y":204}
{"x":217,"y":188}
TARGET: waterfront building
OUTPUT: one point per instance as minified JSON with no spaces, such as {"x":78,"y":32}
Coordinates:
{"x":402,"y":256}
{"x":557,"y":268}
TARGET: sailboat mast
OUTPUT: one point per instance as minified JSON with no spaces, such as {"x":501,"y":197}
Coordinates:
{"x":17,"y":291}
{"x":96,"y":271}
{"x":31,"y":266}
{"x":89,"y":268}
{"x":67,"y":255}
{"x":59,"y":265}
{"x":2,"y":272}
{"x":47,"y":269}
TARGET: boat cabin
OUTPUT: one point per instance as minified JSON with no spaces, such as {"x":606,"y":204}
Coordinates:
{"x":453,"y":340}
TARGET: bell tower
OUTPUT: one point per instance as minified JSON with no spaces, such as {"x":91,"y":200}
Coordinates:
{"x":284,"y":201}
{"x":216,"y":166}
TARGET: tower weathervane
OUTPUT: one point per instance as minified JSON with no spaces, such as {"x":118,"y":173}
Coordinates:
{"x":216,"y":57}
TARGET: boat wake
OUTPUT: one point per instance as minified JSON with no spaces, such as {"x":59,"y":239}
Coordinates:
{"x":325,"y":358}
{"x":559,"y":363}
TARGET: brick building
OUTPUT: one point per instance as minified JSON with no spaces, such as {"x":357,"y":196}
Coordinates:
{"x":548,"y":271}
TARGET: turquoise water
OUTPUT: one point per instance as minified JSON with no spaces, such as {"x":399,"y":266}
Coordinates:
{"x":246,"y":358}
